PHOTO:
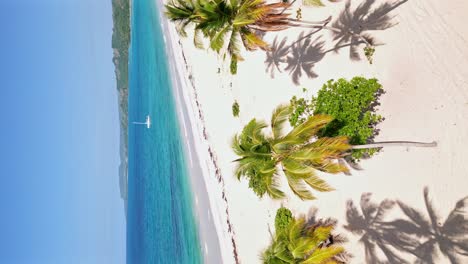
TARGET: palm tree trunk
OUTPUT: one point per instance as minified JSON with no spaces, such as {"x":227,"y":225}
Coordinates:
{"x":396,"y":144}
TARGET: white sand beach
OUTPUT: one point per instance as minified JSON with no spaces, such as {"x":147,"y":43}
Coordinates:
{"x":423,"y":67}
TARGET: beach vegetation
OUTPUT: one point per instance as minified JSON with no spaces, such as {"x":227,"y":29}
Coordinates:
{"x":369,"y":53}
{"x":232,"y":21}
{"x":304,"y":242}
{"x":120,"y":47}
{"x":283,"y":220}
{"x":312,"y":3}
{"x":298,"y":155}
{"x":233,"y":67}
{"x":351,"y":104}
{"x":235,"y":109}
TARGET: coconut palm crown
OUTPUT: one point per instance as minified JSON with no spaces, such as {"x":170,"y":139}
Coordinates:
{"x":302,"y":243}
{"x":298,"y":155}
{"x":234,"y":20}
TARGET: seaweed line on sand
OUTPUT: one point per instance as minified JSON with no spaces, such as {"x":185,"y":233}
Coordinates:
{"x":212,"y":154}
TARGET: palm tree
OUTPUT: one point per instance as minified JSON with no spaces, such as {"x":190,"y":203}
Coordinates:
{"x":235,"y":20}
{"x":296,"y":154}
{"x":304,"y":244}
{"x":396,"y":144}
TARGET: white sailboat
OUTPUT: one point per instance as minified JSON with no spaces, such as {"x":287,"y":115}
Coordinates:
{"x":147,"y":122}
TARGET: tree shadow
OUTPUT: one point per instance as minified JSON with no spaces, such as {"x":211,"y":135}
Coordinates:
{"x":303,"y":53}
{"x":388,"y":241}
{"x":276,"y":56}
{"x":303,"y":56}
{"x":351,"y":29}
{"x":353,"y":25}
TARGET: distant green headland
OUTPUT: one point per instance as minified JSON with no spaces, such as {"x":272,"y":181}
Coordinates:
{"x":120,"y":46}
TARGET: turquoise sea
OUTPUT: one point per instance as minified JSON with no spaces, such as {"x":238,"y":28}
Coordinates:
{"x":161,"y":227}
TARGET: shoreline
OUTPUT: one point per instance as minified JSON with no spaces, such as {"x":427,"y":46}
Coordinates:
{"x":198,"y":150}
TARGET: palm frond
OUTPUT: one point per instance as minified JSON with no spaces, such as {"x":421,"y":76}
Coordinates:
{"x":318,"y":184}
{"x":279,"y":116}
{"x":273,"y":189}
{"x":245,"y":165}
{"x":309,"y":128}
{"x":217,"y":41}
{"x":197,"y":39}
{"x":180,"y":28}
{"x":298,"y":187}
{"x":251,"y":40}
{"x":296,"y":229}
{"x":236,"y":145}
{"x":322,"y":255}
{"x":331,"y":147}
{"x":298,"y":169}
{"x":302,"y":247}
{"x":316,"y":3}
{"x":233,"y":3}
{"x":320,"y":233}
{"x":233,"y":45}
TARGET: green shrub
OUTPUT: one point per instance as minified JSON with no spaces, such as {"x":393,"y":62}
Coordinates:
{"x":258,"y":182}
{"x":369,"y":52}
{"x":235,"y":109}
{"x":351,"y":103}
{"x":283,"y":219}
{"x":233,"y":66}
{"x":302,"y":109}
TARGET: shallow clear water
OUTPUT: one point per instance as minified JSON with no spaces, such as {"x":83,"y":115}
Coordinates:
{"x":160,"y":226}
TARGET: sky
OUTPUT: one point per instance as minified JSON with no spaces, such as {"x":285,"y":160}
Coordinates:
{"x":59,"y":134}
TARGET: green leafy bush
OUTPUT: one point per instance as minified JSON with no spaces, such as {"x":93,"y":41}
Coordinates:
{"x":233,"y":67}
{"x":235,"y":109}
{"x":302,"y":109}
{"x":351,"y":103}
{"x":283,"y":219}
{"x":369,"y":52}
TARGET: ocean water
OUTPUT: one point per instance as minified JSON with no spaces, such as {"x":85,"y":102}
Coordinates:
{"x":161,"y":227}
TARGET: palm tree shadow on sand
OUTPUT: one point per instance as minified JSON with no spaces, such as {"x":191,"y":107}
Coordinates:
{"x":276,"y":56}
{"x":299,"y":57}
{"x":351,"y":29}
{"x":423,"y":237}
{"x":353,"y":26}
{"x":303,"y":56}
